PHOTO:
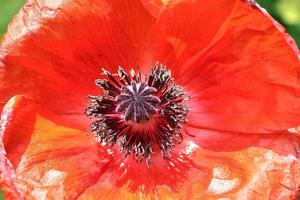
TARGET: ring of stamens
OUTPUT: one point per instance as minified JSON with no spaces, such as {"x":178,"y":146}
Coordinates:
{"x":142,"y":114}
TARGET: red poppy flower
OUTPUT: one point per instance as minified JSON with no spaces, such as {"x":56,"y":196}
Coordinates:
{"x":237,"y":65}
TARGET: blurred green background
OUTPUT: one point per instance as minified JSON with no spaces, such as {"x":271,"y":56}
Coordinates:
{"x":287,"y":12}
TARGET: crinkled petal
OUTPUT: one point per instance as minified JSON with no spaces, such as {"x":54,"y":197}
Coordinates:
{"x":231,"y":57}
{"x":54,"y":50}
{"x":238,"y":65}
{"x":283,"y":143}
{"x":8,"y":117}
{"x":40,"y":157}
{"x":195,"y":173}
{"x":185,"y":28}
{"x":57,"y":162}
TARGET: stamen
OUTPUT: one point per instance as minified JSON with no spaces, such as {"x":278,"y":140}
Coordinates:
{"x":128,"y":101}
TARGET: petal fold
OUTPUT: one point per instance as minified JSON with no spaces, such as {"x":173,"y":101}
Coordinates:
{"x":239,"y":66}
{"x":59,"y":162}
{"x":54,"y":50}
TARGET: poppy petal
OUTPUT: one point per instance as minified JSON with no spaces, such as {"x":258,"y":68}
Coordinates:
{"x":194,"y":173}
{"x":154,"y":6}
{"x":41,"y":157}
{"x":186,"y":27}
{"x":8,"y":117}
{"x":283,"y":143}
{"x":239,"y":66}
{"x":58,"y":162}
{"x":54,"y":51}
{"x":234,"y":51}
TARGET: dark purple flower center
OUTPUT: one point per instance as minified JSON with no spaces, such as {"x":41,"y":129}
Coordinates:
{"x":137,"y":102}
{"x":142,"y":114}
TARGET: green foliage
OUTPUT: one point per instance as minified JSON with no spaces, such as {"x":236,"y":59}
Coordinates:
{"x":8,"y":8}
{"x":1,"y":195}
{"x":287,"y":12}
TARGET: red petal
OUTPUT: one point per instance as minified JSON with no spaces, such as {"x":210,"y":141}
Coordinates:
{"x":56,"y":161}
{"x":239,"y":66}
{"x":63,"y":163}
{"x":283,"y":143}
{"x":7,"y":147}
{"x":238,"y":75}
{"x":54,"y":51}
{"x":228,"y":53}
{"x":38,"y":155}
{"x":186,"y":27}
